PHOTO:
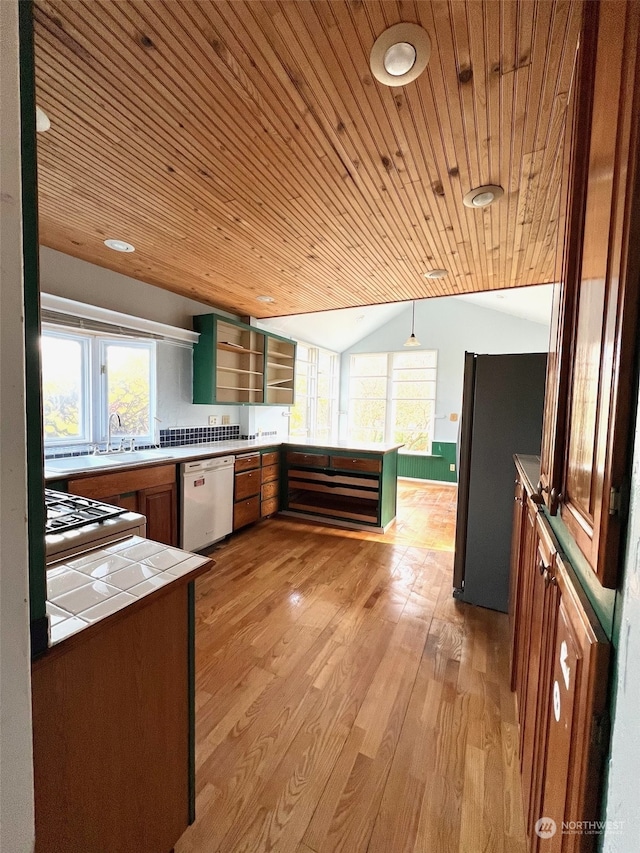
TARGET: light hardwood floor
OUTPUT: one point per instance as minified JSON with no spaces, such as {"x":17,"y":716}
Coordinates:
{"x":345,"y":701}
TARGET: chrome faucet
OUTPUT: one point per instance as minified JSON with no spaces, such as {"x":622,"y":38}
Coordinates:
{"x":113,"y":417}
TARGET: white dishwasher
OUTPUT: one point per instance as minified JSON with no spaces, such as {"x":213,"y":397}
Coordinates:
{"x":207,"y":502}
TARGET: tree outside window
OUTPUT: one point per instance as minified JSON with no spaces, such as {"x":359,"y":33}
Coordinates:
{"x":392,"y":398}
{"x":87,"y":377}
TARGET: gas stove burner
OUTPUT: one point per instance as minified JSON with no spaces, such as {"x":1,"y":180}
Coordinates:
{"x":66,"y":512}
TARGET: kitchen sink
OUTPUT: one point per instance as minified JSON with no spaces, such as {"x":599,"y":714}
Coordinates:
{"x":108,"y":460}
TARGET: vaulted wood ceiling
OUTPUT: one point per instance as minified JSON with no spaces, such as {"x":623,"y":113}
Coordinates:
{"x":244,"y":148}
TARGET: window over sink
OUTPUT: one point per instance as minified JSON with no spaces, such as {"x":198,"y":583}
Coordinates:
{"x":87,"y":377}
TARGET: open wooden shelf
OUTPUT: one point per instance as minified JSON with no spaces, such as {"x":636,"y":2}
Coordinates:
{"x":240,"y":350}
{"x":237,"y":363}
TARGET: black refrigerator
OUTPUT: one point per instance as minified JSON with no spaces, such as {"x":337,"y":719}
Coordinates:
{"x":502,"y":407}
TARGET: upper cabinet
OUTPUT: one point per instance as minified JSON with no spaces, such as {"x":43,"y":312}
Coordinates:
{"x":280,"y":371}
{"x":238,"y":364}
{"x":590,"y":381}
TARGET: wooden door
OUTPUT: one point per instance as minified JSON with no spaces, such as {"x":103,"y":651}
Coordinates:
{"x":159,"y":505}
{"x":606,"y":288}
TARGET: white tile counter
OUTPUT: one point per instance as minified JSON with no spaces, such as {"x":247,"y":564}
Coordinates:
{"x":84,"y":589}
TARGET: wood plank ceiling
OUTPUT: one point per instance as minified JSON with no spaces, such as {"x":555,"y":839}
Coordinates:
{"x":244,"y":148}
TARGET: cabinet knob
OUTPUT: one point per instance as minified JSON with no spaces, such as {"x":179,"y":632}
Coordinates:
{"x":556,"y":496}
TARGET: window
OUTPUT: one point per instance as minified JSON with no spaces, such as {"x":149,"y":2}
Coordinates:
{"x":315,"y":412}
{"x":392,"y":398}
{"x":65,"y":391}
{"x":87,"y":377}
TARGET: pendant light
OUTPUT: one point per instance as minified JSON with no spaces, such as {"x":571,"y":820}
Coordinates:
{"x":412,"y":341}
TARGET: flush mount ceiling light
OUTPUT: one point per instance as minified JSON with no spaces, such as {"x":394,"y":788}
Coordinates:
{"x":412,"y":341}
{"x":265,"y":299}
{"x":400,"y":54}
{"x":483,"y":196}
{"x":42,"y":121}
{"x":435,"y":274}
{"x":119,"y":246}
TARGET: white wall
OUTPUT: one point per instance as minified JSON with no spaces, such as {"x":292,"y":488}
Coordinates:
{"x":451,"y":326}
{"x":64,"y":275}
{"x":16,"y":775}
{"x":622,"y":834}
{"x":72,"y":278}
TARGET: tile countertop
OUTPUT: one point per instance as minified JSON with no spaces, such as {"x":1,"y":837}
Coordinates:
{"x":56,"y":469}
{"x":86,"y":588}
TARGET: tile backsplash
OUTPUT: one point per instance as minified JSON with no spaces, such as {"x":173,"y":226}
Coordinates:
{"x":198,"y":435}
{"x":175,"y":437}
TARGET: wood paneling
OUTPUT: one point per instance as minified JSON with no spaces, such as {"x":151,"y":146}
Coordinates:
{"x":245,"y":148}
{"x":110,"y":735}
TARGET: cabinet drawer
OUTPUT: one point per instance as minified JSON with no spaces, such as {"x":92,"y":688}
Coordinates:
{"x":350,"y":464}
{"x":320,"y":460}
{"x":269,"y":507}
{"x":271,"y":472}
{"x":271,"y":458}
{"x":247,"y":484}
{"x":244,"y":512}
{"x":270,"y":490}
{"x":246,"y":463}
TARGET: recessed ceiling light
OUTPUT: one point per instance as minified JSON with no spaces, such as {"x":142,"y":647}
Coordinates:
{"x":435,"y":274}
{"x":265,"y":299}
{"x":483,"y":196}
{"x":42,"y":121}
{"x":119,"y":246}
{"x":400,"y":54}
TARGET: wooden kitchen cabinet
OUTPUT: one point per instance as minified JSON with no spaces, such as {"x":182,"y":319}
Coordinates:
{"x":159,"y":505}
{"x":352,"y":488}
{"x":149,"y":490}
{"x":590,"y":379}
{"x":257,"y":487}
{"x":560,"y":661}
{"x":246,"y":494}
{"x":113,"y":732}
{"x":270,"y":483}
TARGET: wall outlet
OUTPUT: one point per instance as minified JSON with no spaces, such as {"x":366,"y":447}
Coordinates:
{"x":452,"y":467}
{"x":213,"y":420}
